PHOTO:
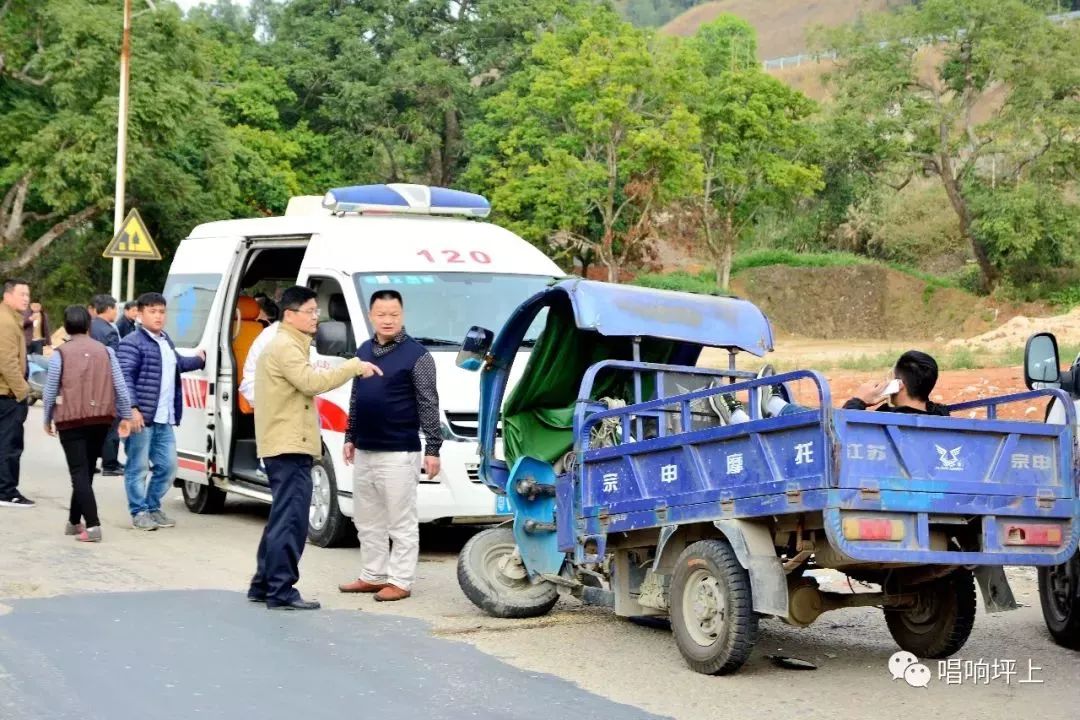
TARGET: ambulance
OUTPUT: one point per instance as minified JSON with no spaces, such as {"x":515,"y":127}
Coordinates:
{"x":431,"y":244}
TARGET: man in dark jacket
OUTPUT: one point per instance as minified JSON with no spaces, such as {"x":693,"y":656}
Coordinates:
{"x":103,"y":329}
{"x":152,"y":369}
{"x":126,"y":323}
{"x":907,"y":391}
{"x":386,"y":415}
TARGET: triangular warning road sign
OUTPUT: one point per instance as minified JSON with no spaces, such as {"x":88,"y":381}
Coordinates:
{"x":133,"y":241}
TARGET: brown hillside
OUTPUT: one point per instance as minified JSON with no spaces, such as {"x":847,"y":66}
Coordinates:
{"x":868,"y":301}
{"x":781,"y":24}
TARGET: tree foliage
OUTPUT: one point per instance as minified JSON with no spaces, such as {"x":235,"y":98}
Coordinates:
{"x":589,"y":140}
{"x":977,"y":93}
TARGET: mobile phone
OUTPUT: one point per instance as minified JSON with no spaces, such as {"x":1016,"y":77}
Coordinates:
{"x":892,"y":388}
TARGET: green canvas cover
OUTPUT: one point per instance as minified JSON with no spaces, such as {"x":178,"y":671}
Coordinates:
{"x":538,"y":417}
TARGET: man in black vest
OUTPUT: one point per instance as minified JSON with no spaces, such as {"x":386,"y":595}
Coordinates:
{"x":386,"y":415}
{"x":104,"y":330}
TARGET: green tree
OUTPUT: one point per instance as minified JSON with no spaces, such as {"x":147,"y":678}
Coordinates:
{"x":392,"y":85}
{"x":756,"y":141}
{"x":588,"y":141}
{"x":924,"y":78}
{"x":58,"y":136}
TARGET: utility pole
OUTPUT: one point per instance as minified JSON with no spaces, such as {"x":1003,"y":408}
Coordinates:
{"x":121,"y":153}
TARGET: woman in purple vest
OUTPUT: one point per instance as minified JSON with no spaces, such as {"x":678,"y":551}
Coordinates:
{"x":83,"y":396}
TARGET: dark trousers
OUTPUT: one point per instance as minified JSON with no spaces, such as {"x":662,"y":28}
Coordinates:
{"x":110,"y":451}
{"x":278,"y":561}
{"x":82,"y":447}
{"x":12,"y":417}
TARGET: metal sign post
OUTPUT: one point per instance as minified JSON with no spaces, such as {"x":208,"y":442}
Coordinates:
{"x":121,"y":151}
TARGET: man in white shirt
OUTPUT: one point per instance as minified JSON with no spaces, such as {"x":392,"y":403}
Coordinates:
{"x":247,"y":375}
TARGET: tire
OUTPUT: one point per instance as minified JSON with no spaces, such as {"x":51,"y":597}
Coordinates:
{"x":327,"y":527}
{"x":1059,"y":593}
{"x":711,"y":608}
{"x":203,"y":499}
{"x":942,"y":622}
{"x":483,"y":578}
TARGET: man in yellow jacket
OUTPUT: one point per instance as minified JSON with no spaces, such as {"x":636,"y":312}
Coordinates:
{"x":13,"y":391}
{"x":288,"y":440}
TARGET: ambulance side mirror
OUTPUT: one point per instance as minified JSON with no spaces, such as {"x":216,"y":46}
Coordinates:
{"x":332,"y":339}
{"x":474,"y":348}
{"x":1042,"y":364}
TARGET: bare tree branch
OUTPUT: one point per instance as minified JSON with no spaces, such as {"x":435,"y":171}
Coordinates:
{"x":13,"y":228}
{"x":38,"y":246}
{"x":1032,"y":158}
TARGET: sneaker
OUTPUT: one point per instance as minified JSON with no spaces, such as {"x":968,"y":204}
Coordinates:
{"x":119,"y":472}
{"x":767,"y":392}
{"x":725,"y":405}
{"x":161,"y":519}
{"x":70,"y":529}
{"x":90,"y":534}
{"x":143,"y":521}
{"x":17,"y":501}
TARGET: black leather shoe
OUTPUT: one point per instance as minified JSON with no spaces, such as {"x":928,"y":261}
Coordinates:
{"x":295,"y":605}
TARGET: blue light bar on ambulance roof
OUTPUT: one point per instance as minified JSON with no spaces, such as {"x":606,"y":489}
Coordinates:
{"x":404,"y":198}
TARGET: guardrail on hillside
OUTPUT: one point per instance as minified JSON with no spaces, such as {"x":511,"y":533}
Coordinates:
{"x":797,"y":60}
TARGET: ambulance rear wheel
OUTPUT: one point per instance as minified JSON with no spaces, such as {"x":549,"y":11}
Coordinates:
{"x":202,"y":499}
{"x":712,"y":612}
{"x":327,"y":527}
{"x":491,"y":575}
{"x":1059,"y":591}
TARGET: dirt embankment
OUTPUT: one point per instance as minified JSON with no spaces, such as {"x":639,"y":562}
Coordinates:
{"x":869,"y":301}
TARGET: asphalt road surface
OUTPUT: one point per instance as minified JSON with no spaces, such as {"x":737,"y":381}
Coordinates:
{"x":155,"y":625}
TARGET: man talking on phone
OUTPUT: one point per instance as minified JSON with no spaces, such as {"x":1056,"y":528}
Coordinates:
{"x":907,"y":391}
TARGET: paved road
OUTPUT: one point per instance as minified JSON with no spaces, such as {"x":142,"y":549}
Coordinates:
{"x":173,"y":612}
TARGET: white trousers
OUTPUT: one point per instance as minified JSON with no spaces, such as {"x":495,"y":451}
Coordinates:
{"x":384,"y":510}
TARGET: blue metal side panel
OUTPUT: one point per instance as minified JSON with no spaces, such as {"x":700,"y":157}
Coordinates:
{"x":921,"y":454}
{"x":780,"y":457}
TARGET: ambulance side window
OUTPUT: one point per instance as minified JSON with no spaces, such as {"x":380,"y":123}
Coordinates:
{"x":333,"y":309}
{"x":189,"y":298}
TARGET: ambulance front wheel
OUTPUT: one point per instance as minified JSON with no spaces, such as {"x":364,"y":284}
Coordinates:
{"x":201,"y":498}
{"x":327,"y":527}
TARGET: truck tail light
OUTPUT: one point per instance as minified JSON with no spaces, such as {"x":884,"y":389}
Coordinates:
{"x":1033,"y":534}
{"x":873,"y":529}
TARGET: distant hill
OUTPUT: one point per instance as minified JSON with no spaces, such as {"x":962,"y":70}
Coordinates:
{"x":781,"y":24}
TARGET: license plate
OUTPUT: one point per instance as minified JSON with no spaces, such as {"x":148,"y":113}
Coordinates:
{"x":502,"y":505}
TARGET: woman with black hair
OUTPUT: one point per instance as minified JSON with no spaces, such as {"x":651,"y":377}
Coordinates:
{"x":85,"y":392}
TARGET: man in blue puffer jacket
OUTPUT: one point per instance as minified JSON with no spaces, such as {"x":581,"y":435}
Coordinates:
{"x":152,"y":368}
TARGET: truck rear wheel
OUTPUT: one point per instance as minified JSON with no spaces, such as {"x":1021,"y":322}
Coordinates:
{"x":712,"y":612}
{"x":201,"y":498}
{"x":1059,"y":592}
{"x":493,"y":578}
{"x":941,"y":622}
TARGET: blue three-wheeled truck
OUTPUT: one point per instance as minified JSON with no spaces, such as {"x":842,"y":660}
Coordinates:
{"x":622,"y":465}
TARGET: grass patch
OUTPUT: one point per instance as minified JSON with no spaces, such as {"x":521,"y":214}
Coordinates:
{"x":704,"y":283}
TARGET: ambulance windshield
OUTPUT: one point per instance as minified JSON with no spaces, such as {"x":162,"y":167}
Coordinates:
{"x":441,"y":307}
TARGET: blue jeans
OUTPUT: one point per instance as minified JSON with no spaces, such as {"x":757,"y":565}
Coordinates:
{"x":155,"y":444}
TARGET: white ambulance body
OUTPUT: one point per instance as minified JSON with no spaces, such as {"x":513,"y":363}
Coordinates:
{"x":453,"y":273}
